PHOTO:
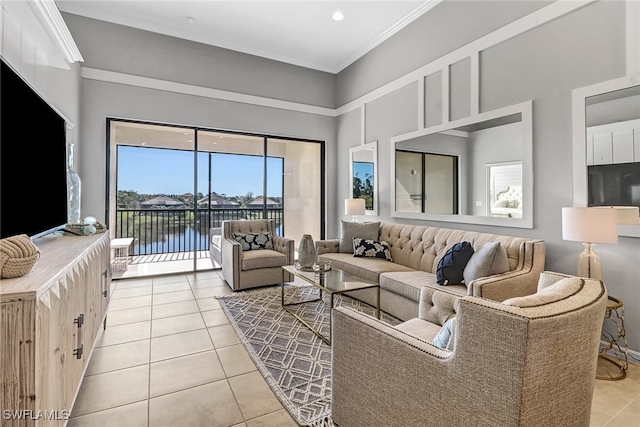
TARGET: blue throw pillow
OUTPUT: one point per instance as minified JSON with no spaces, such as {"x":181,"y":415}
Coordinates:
{"x":451,"y":266}
{"x":371,"y":248}
{"x":444,"y":336}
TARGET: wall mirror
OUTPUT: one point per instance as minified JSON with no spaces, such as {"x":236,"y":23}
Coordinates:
{"x":606,"y":141}
{"x":363,"y":166}
{"x":475,"y":170}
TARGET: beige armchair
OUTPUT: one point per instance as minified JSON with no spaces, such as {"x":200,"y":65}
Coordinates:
{"x":529,"y":361}
{"x":243,"y":269}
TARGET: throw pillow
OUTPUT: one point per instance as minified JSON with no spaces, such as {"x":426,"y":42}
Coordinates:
{"x":371,"y":248}
{"x":451,"y":266}
{"x":349,"y":230}
{"x":253,"y":241}
{"x":490,"y":259}
{"x":444,"y":336}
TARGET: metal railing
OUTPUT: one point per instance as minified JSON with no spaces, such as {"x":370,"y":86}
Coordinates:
{"x":164,"y":231}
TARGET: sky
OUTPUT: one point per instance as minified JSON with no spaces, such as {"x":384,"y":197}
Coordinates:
{"x":163,"y":171}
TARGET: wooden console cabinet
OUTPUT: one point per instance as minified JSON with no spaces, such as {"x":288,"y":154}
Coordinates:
{"x":49,"y":320}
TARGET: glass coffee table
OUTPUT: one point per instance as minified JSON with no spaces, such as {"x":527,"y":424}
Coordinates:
{"x":334,"y":281}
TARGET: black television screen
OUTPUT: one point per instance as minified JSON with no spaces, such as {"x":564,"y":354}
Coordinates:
{"x":33,"y":163}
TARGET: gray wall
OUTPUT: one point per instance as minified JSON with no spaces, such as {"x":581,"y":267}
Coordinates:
{"x":545,"y":64}
{"x":123,"y":49}
{"x":447,"y":27}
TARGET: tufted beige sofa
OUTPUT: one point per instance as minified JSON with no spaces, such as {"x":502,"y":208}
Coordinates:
{"x":416,"y":251}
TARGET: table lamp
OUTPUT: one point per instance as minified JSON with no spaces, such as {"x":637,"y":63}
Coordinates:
{"x":354,"y":207}
{"x":589,"y":226}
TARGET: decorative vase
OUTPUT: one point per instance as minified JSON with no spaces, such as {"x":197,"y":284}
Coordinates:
{"x":73,"y":189}
{"x":307,"y":251}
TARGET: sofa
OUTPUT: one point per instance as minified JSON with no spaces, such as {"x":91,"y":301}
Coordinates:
{"x":528,"y":361}
{"x":415,"y":252}
{"x":252,"y":254}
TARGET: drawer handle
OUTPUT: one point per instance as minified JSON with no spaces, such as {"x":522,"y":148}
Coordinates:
{"x":79,"y":320}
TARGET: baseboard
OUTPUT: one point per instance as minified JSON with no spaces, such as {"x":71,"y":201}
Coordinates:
{"x":634,"y":356}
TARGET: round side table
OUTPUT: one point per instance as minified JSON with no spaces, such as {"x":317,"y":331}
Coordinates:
{"x":618,"y":362}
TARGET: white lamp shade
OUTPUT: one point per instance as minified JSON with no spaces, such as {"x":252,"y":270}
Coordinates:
{"x":590,"y":225}
{"x":354,"y":207}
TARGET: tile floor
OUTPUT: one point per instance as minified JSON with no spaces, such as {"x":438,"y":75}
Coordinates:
{"x":169,"y":357}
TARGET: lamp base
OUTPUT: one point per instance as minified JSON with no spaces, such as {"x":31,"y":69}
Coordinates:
{"x":589,"y":264}
{"x":355,"y":218}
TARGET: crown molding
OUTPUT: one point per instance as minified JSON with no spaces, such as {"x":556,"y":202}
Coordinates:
{"x":408,"y":19}
{"x":49,"y":16}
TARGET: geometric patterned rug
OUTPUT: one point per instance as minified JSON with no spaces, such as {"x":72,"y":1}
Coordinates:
{"x":293,"y":360}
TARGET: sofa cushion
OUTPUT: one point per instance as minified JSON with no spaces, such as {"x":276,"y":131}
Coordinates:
{"x":409,"y":283}
{"x":490,"y":259}
{"x":254,"y":241}
{"x":349,"y":230}
{"x":371,"y":248}
{"x":560,"y":290}
{"x":367,"y":268}
{"x":263,"y":258}
{"x":451,"y":266}
{"x":419,"y":328}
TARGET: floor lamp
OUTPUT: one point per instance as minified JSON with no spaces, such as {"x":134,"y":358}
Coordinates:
{"x":589,"y":226}
{"x":354,"y":207}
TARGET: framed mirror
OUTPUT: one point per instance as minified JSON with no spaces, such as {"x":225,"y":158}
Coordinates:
{"x":363,"y":169}
{"x":606,"y":149}
{"x":475,"y":170}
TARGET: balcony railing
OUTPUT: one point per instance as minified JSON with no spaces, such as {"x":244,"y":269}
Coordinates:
{"x":163,"y":231}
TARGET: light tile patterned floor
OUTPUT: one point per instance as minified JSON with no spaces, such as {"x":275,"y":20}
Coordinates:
{"x":169,"y":357}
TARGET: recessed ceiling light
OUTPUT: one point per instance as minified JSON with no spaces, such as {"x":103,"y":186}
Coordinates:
{"x":190,"y":20}
{"x":338,"y":16}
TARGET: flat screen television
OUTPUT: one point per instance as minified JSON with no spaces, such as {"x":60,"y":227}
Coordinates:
{"x":33,"y":160}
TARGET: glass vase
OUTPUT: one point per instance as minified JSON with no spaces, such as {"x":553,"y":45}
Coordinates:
{"x":307,"y":251}
{"x":73,"y":189}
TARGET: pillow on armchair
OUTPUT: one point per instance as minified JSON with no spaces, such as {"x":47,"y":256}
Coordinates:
{"x":254,"y":241}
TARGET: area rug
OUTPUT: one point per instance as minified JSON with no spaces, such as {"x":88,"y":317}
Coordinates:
{"x":294,"y":361}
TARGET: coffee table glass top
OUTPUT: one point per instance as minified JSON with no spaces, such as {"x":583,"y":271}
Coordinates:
{"x":333,"y":281}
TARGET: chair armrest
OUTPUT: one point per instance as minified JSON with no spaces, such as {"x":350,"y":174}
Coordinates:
{"x":516,"y":283}
{"x":327,"y":246}
{"x":231,"y":258}
{"x":286,"y":246}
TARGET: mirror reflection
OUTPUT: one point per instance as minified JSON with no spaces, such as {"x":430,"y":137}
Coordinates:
{"x":363,"y":159}
{"x":613,"y":148}
{"x":474,"y":170}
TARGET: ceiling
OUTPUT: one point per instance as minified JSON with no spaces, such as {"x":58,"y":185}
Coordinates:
{"x":299,"y":32}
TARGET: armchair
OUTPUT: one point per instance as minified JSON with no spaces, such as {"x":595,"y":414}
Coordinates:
{"x":528,"y":361}
{"x":243,"y":269}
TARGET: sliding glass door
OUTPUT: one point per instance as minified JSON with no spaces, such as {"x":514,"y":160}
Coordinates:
{"x":170,"y":185}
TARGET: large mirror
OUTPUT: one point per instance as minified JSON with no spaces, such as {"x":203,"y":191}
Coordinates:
{"x":606,"y":120}
{"x":363,"y":165}
{"x":474,"y":170}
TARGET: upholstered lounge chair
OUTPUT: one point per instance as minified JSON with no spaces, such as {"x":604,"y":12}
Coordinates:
{"x":243,"y":269}
{"x":529,"y":361}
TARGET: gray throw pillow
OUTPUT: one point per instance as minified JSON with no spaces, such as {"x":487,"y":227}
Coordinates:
{"x":349,"y":230}
{"x":490,"y":259}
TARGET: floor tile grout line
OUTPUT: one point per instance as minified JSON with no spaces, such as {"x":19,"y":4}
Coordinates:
{"x":621,"y":410}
